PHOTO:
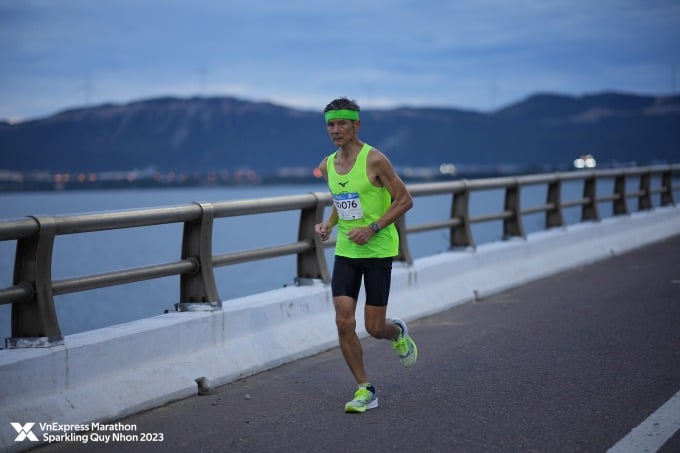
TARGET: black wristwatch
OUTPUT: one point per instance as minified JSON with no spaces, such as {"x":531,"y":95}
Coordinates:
{"x":375,"y":227}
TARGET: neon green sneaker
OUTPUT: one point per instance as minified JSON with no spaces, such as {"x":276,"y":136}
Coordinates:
{"x":405,"y":346}
{"x":364,"y":399}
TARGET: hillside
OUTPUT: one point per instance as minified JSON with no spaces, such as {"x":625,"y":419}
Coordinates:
{"x":201,"y":134}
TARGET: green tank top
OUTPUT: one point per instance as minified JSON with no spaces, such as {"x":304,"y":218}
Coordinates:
{"x":359,"y":203}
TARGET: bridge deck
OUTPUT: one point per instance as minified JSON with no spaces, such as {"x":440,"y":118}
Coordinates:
{"x":568,"y":363}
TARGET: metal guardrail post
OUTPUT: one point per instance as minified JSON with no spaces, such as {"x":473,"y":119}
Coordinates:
{"x":34,"y":322}
{"x":461,"y":236}
{"x":512,"y":226}
{"x":198,"y":291}
{"x":620,"y":206}
{"x":589,"y":209}
{"x":404,"y":252}
{"x":645,"y":198}
{"x":667,"y":189}
{"x":553,"y":216}
{"x":311,"y":264}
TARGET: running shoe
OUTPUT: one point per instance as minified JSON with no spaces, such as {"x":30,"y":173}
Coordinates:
{"x":364,"y":399}
{"x":405,"y":346}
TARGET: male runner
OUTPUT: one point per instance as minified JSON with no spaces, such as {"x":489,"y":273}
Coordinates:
{"x":368,"y":196}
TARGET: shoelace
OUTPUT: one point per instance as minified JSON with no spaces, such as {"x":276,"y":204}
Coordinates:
{"x":401,"y":346}
{"x":363,"y":394}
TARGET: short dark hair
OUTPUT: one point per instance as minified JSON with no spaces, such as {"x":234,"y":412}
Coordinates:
{"x":342,"y":104}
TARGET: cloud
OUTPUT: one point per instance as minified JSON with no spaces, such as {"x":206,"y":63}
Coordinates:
{"x":475,"y":54}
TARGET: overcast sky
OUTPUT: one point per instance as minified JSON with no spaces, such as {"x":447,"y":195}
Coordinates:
{"x":471,"y":54}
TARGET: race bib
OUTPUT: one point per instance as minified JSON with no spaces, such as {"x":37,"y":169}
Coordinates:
{"x":348,"y":206}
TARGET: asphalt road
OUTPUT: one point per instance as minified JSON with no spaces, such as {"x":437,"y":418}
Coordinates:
{"x":565,"y":364}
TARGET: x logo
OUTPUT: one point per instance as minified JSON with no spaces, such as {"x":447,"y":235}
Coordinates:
{"x":24,"y":432}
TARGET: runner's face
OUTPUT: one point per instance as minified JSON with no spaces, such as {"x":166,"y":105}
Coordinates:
{"x":341,"y":131}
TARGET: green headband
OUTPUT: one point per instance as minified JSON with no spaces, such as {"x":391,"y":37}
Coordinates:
{"x":342,"y":114}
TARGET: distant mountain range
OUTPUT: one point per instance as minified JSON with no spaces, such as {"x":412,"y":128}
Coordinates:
{"x":222,"y":133}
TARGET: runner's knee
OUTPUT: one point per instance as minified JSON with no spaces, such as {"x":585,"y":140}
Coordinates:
{"x":345,"y":324}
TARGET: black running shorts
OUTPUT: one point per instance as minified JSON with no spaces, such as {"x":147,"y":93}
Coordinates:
{"x":377,"y":275}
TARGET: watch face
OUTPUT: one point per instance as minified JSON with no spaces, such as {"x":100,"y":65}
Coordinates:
{"x":375,"y":227}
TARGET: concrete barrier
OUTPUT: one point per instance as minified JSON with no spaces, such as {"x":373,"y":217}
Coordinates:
{"x":106,"y":374}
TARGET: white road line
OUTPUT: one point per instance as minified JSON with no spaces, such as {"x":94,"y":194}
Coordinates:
{"x":651,"y":434}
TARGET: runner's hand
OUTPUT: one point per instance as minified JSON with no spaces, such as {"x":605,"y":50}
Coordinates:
{"x":360,"y":235}
{"x":323,"y":229}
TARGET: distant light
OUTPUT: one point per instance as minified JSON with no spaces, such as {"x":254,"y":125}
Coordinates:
{"x":585,"y":161}
{"x":448,"y":169}
{"x":590,"y":162}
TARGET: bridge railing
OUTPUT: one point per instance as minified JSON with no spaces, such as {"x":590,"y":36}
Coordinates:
{"x":34,"y":318}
